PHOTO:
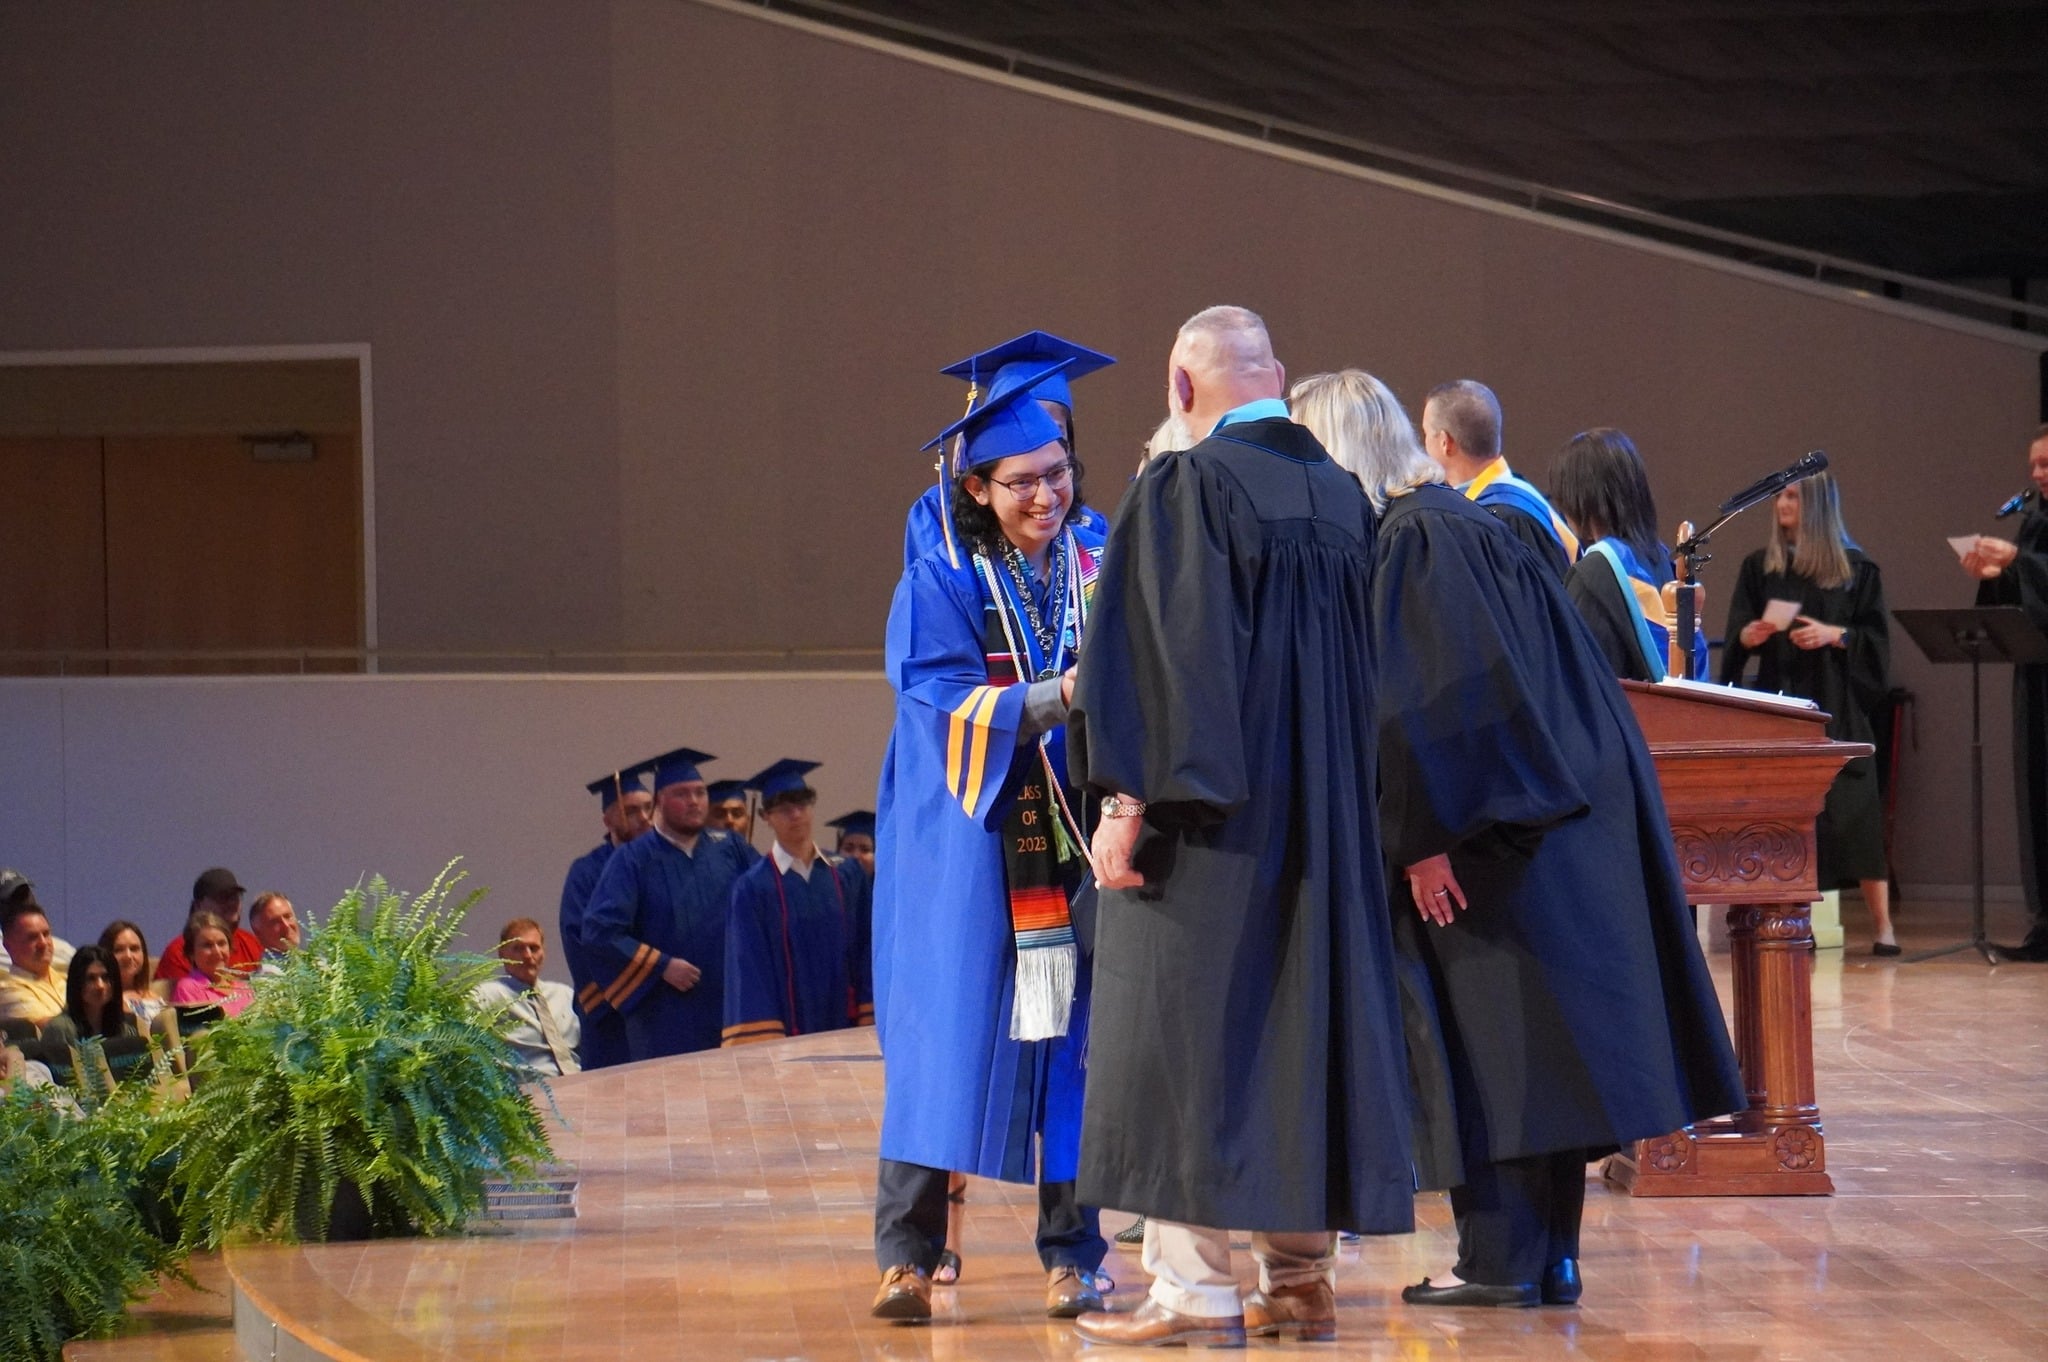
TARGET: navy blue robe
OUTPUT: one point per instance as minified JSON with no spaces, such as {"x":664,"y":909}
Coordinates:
{"x":655,"y":902}
{"x":959,"y":1093}
{"x":797,"y":951}
{"x":604,"y":1030}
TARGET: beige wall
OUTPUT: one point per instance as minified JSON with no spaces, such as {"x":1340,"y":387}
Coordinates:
{"x":655,"y":292}
{"x":117,"y":793}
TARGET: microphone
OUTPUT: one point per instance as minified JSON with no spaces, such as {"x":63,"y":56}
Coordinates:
{"x":2018,"y":503}
{"x":1809,"y":464}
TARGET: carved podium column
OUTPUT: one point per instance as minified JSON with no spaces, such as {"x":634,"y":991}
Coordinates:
{"x":1743,"y":779}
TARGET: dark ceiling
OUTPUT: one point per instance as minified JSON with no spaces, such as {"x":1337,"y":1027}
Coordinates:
{"x":1911,"y":136}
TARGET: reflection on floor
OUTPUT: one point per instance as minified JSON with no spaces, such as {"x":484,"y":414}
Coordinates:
{"x":724,"y":1213}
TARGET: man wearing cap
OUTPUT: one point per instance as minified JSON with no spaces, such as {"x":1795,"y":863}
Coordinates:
{"x":1461,"y":430}
{"x":33,"y":987}
{"x":1248,"y":1068}
{"x":796,"y":940}
{"x":18,"y":891}
{"x":536,"y":1016}
{"x":216,"y":891}
{"x":981,"y":991}
{"x":655,"y":924}
{"x":729,"y":806}
{"x":627,"y":810}
{"x":998,"y":371}
{"x":856,"y":839}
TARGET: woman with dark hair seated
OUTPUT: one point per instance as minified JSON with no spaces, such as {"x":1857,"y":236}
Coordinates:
{"x":1600,"y":487}
{"x":92,"y":1000}
{"x":124,"y":941}
{"x":212,"y":989}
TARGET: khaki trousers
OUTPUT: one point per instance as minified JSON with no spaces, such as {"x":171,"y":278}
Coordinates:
{"x":1190,"y":1265}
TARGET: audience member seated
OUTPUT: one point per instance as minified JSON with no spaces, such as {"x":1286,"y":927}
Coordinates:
{"x":17,"y":891}
{"x":92,"y":1000}
{"x":123,"y":940}
{"x":275,"y":925}
{"x":214,"y":981}
{"x":538,"y":1017}
{"x":217,"y":892}
{"x":33,"y":987}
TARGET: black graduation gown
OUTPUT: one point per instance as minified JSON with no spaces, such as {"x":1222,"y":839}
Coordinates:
{"x":1245,"y":1063}
{"x":1596,"y":593}
{"x":1849,"y":683}
{"x":1541,"y":539}
{"x":2025,"y":584}
{"x":1568,"y":1007}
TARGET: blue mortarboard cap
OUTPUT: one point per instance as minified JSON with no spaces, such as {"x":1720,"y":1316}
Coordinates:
{"x":1013,"y":423}
{"x":861,"y":822}
{"x":723,"y":791}
{"x":1003,"y":368}
{"x":674,"y":768}
{"x":609,"y":789}
{"x":784,"y":777}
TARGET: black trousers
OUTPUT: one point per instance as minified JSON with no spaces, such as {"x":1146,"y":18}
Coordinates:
{"x":2030,"y":791}
{"x":1519,"y":1216}
{"x":910,"y":1221}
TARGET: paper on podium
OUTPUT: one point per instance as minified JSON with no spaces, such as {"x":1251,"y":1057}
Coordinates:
{"x":1963,"y":543}
{"x":1780,"y":614}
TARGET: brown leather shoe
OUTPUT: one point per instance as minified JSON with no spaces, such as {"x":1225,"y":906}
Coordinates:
{"x":1069,"y":1293}
{"x":1152,"y":1325}
{"x":905,"y":1294}
{"x":1307,"y":1312}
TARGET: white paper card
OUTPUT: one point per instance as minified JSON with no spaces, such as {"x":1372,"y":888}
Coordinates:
{"x":1780,"y":614}
{"x":1963,"y":543}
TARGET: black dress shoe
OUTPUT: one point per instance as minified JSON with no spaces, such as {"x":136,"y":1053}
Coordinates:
{"x":1886,"y":949}
{"x":1473,"y":1293}
{"x":2026,"y":953}
{"x":1561,"y":1285}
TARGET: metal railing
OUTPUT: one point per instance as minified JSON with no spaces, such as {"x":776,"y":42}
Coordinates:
{"x":1819,"y":267}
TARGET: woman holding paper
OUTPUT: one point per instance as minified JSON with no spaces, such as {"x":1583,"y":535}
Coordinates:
{"x":1809,"y":607}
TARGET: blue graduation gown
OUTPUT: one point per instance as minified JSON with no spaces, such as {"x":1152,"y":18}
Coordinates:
{"x":654,"y":902}
{"x":959,"y":1093}
{"x":796,"y":951}
{"x":604,"y":1030}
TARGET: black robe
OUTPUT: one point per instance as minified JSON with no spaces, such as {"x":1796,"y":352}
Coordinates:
{"x":1596,"y":593}
{"x":1245,"y":1060}
{"x":1848,"y":682}
{"x":2025,"y":584}
{"x":1541,"y":539}
{"x":1568,"y":1007}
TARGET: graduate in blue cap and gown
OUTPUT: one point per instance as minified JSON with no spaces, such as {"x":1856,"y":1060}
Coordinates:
{"x":856,"y":839}
{"x":655,"y":924}
{"x":627,"y":808}
{"x":731,"y":810}
{"x":796,"y":940}
{"x":993,"y":374}
{"x":981,"y":992}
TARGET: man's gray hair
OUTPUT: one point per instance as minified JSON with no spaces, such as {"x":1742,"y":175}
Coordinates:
{"x":1227,"y":339}
{"x":1360,"y":421}
{"x":1467,"y":411}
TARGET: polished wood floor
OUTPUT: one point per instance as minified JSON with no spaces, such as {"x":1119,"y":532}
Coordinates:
{"x":724,"y":1213}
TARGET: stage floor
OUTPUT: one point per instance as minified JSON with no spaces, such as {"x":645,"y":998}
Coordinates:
{"x":725,"y":1213}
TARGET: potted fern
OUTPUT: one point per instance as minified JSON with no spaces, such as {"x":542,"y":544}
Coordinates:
{"x":361,"y":1093}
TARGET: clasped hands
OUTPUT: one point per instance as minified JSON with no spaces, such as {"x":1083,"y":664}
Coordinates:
{"x":1990,"y":557}
{"x":1808,"y":634}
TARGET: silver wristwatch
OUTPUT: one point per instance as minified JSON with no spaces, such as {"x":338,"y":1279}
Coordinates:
{"x":1114,"y":807}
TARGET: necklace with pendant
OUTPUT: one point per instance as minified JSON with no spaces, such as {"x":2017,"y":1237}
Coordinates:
{"x":1043,"y":633}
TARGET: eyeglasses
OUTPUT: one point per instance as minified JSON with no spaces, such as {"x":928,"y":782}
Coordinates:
{"x":1058,"y":478}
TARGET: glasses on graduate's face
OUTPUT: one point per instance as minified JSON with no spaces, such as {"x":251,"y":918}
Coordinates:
{"x":1059,"y":478}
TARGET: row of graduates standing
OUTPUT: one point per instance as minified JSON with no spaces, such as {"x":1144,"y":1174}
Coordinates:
{"x":1288,"y":701}
{"x":680,"y":936}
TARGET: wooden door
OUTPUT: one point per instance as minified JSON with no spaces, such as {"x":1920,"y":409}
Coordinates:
{"x":53,"y":577}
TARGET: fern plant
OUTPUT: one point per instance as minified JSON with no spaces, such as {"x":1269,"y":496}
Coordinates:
{"x":83,"y":1230}
{"x":363,"y":1067}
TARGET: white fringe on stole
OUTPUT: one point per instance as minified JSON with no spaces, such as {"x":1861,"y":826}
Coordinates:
{"x":1045,"y":992}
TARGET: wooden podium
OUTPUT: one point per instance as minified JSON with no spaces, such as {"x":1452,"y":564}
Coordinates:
{"x":1743,"y":779}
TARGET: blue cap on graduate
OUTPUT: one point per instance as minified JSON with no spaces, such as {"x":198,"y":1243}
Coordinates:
{"x":859,"y":823}
{"x":610,"y":789}
{"x":1009,"y":364}
{"x":725,"y":791}
{"x":1013,"y":423}
{"x":785,"y":777}
{"x":677,"y":767}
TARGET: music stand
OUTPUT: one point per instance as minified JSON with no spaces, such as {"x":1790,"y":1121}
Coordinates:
{"x":1992,"y":634}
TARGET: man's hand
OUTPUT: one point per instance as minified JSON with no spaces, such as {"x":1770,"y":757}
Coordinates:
{"x":1756,"y":633}
{"x":1990,"y":557}
{"x":1435,"y":889}
{"x":1114,"y":841}
{"x":680,"y":975}
{"x":1812,"y":634}
{"x":1067,"y":687}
